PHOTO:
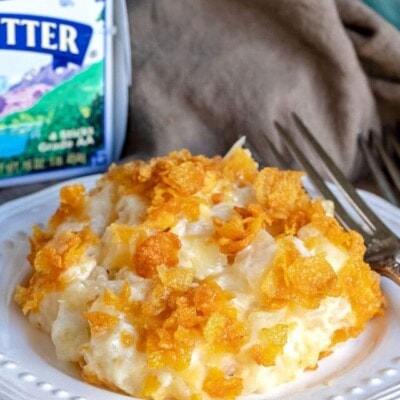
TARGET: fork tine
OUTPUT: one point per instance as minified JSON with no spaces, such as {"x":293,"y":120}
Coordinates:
{"x":395,"y":145}
{"x":376,"y":170}
{"x":255,"y":144}
{"x":280,"y":161}
{"x":255,"y":153}
{"x":368,"y":216}
{"x":343,"y":216}
{"x":391,"y":167}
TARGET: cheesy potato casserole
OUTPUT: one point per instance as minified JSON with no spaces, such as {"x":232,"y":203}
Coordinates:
{"x":189,"y":277}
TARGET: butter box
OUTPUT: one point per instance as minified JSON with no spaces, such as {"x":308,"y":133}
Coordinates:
{"x":64,"y":78}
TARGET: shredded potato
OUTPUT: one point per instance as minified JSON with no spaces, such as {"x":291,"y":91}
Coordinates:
{"x":194,"y":277}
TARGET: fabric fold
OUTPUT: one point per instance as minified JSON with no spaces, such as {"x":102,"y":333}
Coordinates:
{"x":208,"y":72}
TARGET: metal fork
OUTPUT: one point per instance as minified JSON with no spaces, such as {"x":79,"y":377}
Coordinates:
{"x":380,"y":156}
{"x":383,"y":246}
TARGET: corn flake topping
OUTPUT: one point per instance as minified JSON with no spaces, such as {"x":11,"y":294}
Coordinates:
{"x":180,"y":275}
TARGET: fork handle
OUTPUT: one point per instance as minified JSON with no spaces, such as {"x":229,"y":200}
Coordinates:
{"x":383,"y":255}
{"x":385,"y":259}
{"x":391,"y":270}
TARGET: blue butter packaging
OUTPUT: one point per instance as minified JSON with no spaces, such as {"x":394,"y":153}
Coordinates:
{"x":64,"y":77}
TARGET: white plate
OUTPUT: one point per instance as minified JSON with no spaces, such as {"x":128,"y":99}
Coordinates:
{"x":365,"y":368}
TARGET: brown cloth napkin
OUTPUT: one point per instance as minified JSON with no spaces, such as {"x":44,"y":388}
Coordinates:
{"x":206,"y":72}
